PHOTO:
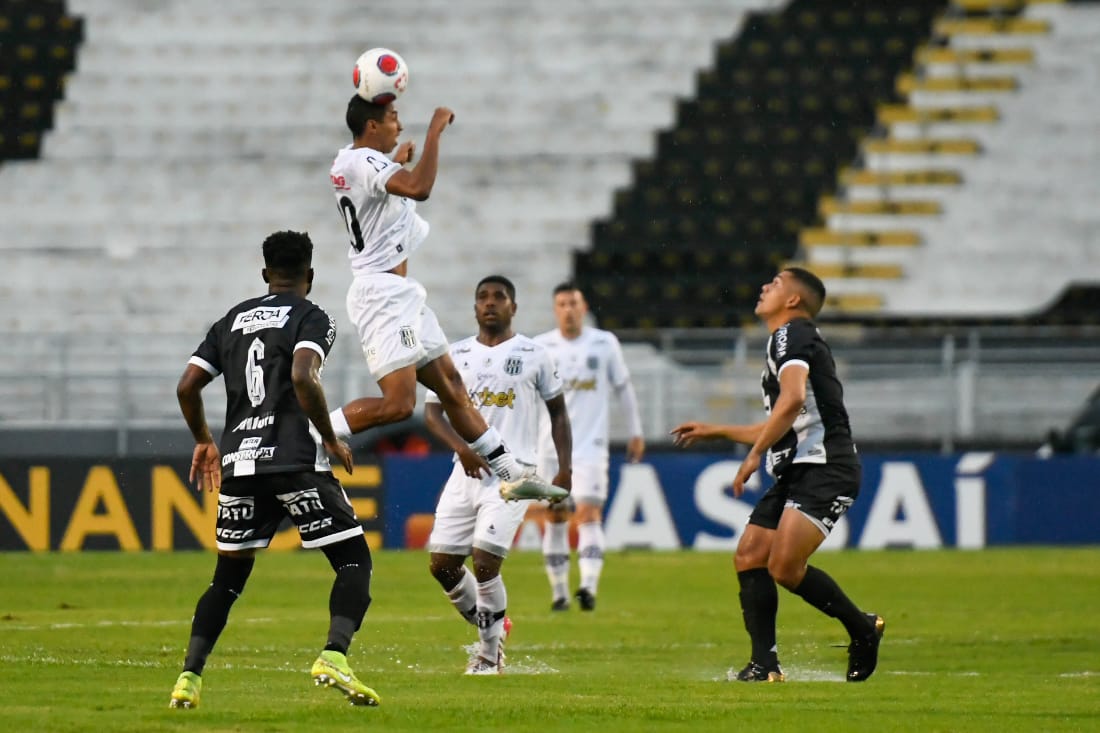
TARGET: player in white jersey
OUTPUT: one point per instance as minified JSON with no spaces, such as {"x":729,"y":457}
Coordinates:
{"x":400,"y":335}
{"x":510,"y":377}
{"x":591,"y":365}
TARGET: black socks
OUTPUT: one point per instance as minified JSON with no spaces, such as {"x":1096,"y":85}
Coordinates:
{"x":212,"y":610}
{"x":821,"y":591}
{"x":759,"y":606}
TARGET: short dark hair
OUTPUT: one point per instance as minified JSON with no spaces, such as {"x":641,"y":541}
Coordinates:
{"x":814,"y":297}
{"x":288,"y":254}
{"x":567,"y":287}
{"x":360,"y":111}
{"x":499,"y":280}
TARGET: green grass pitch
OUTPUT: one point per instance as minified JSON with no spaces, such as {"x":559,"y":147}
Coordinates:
{"x":1001,"y":640}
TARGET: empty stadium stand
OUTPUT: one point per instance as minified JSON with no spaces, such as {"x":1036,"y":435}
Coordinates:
{"x":933,"y":160}
{"x":191,"y":130}
{"x":977,"y":192}
{"x":38,"y":42}
{"x":742,"y":172}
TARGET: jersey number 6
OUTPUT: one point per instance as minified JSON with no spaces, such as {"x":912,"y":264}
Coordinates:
{"x":254,"y":373}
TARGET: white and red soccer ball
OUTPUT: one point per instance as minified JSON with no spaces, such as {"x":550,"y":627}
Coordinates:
{"x":380,"y":76}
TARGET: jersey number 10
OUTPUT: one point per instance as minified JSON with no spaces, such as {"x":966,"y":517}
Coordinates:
{"x":351,"y":221}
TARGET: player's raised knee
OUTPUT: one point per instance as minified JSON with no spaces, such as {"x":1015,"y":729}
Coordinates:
{"x":396,"y":409}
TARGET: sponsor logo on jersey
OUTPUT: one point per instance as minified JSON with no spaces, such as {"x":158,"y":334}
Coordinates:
{"x":236,"y":507}
{"x":298,"y":503}
{"x":315,"y":526}
{"x":258,"y":319}
{"x":408,"y":337}
{"x":330,"y":335}
{"x":513,"y":365}
{"x":256,"y":423}
{"x":781,"y":343}
{"x":250,"y":450}
{"x":581,"y":385}
{"x":234,"y":535}
{"x":776,"y":457}
{"x":489,"y":398}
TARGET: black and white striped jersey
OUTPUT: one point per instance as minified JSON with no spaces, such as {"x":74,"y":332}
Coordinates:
{"x":821,"y":433}
{"x":253,"y":347}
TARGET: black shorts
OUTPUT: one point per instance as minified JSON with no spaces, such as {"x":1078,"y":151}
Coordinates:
{"x":250,"y":510}
{"x":821,"y":491}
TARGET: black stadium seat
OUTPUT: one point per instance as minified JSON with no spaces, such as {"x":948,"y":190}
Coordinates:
{"x":742,"y":171}
{"x":38,"y":42}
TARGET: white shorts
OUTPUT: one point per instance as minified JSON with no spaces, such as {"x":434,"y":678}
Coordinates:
{"x":590,"y":480}
{"x":470,"y":514}
{"x":396,"y":327}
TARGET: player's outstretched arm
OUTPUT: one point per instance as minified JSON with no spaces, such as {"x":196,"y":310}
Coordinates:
{"x":689,"y":433}
{"x":305,"y":373}
{"x":440,"y":427}
{"x":417,"y":183}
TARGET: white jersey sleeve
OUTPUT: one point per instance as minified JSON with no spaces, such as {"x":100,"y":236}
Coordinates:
{"x":591,"y":366}
{"x":549,"y":381}
{"x":383,"y":228}
{"x":617,"y":373}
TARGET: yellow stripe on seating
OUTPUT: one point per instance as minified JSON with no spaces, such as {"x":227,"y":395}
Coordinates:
{"x":931,"y":177}
{"x":922,"y":146}
{"x":854,"y":302}
{"x":935,"y":55}
{"x":908,"y":83}
{"x":830,"y":205}
{"x":875,"y":271}
{"x":889,"y":114}
{"x":977,"y":6}
{"x":990,"y":26}
{"x":862,"y":238}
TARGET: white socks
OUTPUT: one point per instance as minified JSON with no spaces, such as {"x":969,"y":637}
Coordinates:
{"x":590,"y":543}
{"x":464,"y":596}
{"x":492,"y":601}
{"x":555,"y":557}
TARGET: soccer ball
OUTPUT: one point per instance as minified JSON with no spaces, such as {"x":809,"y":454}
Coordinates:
{"x":380,"y":76}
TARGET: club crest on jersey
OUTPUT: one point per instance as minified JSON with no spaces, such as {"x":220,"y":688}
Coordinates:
{"x":593,"y":362}
{"x":513,"y":365}
{"x":258,"y":319}
{"x":408,"y":337}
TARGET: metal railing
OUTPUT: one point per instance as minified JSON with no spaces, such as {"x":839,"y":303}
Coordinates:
{"x":1011,"y":384}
